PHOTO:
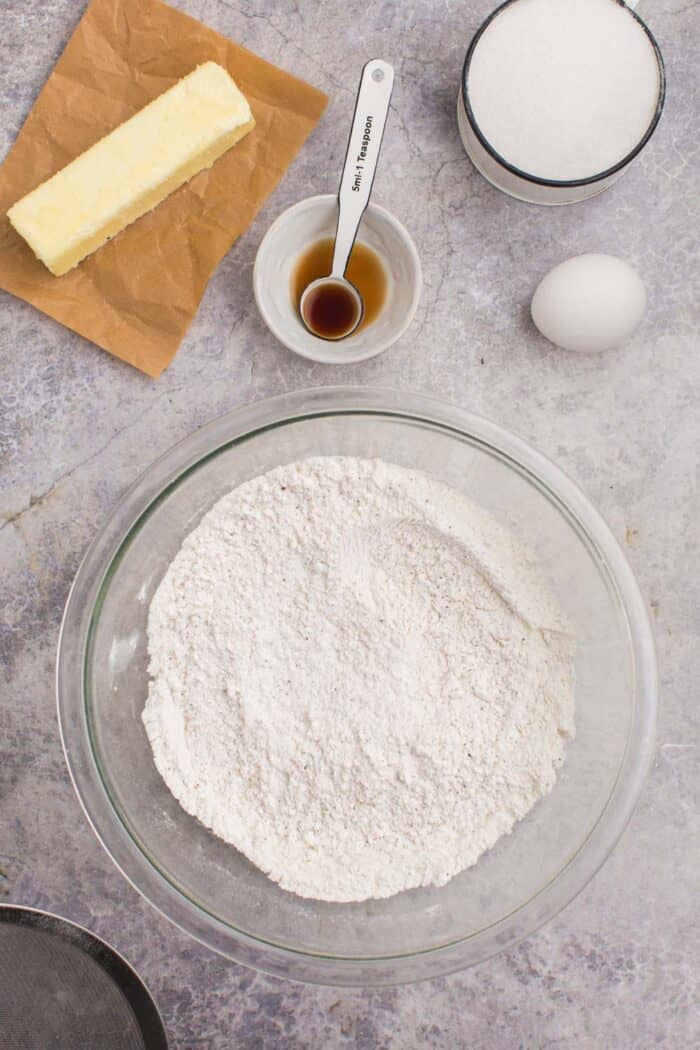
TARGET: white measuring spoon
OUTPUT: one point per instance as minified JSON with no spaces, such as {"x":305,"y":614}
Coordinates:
{"x":334,"y":296}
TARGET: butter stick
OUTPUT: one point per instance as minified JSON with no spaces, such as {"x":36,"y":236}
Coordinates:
{"x":133,"y":169}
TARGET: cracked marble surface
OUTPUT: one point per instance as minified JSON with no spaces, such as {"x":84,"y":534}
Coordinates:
{"x":619,"y":967}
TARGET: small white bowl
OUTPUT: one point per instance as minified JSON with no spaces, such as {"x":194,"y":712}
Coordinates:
{"x":300,"y":226}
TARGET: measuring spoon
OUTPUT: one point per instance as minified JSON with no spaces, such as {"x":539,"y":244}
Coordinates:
{"x":331,"y":307}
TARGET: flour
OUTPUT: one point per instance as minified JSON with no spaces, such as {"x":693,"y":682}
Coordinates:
{"x":359,"y":679}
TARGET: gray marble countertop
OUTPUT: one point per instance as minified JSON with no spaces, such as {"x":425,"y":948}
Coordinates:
{"x":618,"y":968}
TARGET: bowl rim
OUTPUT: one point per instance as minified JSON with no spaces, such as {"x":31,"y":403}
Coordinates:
{"x":283,"y":961}
{"x":320,"y":350}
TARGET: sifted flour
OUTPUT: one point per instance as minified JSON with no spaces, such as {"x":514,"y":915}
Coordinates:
{"x":359,"y":679}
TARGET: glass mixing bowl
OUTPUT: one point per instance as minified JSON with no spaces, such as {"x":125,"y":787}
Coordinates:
{"x":204,"y":885}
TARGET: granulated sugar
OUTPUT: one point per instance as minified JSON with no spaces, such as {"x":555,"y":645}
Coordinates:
{"x":564,"y":89}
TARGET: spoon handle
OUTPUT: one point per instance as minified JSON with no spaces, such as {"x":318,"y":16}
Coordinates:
{"x":365,"y":141}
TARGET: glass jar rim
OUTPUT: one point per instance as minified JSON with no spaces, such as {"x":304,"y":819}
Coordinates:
{"x":539,"y":180}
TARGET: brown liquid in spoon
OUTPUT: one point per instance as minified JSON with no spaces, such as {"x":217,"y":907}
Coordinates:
{"x":331,"y":310}
{"x":365,"y":270}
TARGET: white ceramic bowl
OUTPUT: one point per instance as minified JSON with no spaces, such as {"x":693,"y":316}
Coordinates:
{"x":301,"y":225}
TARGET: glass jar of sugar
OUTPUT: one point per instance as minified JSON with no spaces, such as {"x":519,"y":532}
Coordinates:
{"x":559,"y":96}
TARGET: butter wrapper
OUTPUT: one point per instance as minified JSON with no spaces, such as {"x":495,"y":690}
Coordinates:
{"x":136,"y":296}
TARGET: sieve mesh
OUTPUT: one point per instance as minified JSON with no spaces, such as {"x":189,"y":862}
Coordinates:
{"x":62,"y":988}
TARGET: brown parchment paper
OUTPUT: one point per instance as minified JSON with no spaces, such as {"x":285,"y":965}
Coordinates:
{"x":136,"y":296}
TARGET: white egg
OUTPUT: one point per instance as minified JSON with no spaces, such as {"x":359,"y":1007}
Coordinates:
{"x":589,"y":303}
